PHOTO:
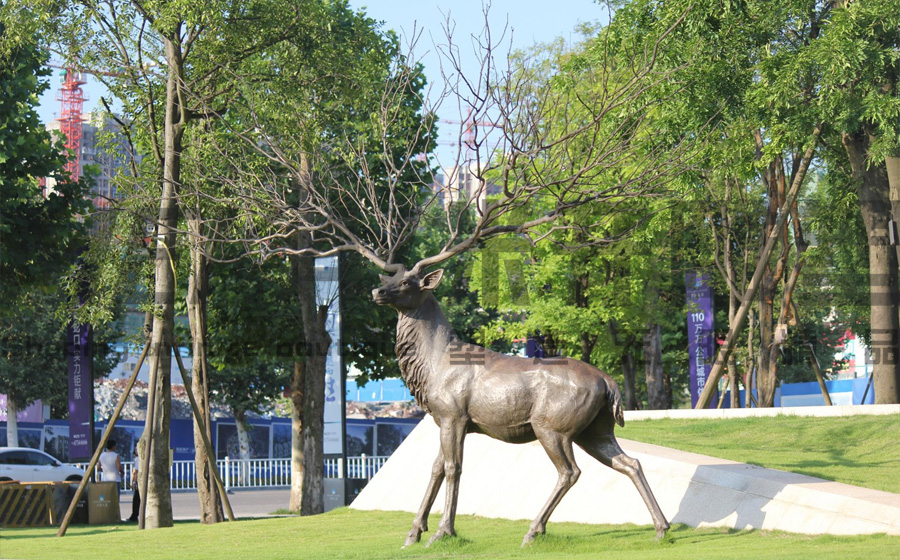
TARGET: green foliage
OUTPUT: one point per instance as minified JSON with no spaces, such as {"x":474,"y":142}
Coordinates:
{"x":255,"y":333}
{"x":33,"y":360}
{"x":40,"y":234}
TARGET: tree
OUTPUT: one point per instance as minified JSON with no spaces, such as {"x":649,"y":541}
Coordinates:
{"x":860,"y":76}
{"x":199,"y":46}
{"x":40,"y":235}
{"x":33,"y":348}
{"x":296,"y":141}
{"x":359,"y":202}
{"x":824,"y":66}
{"x":254,"y":324}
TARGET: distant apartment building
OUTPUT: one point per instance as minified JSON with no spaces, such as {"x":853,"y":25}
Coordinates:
{"x":461,"y":182}
{"x":105,"y":148}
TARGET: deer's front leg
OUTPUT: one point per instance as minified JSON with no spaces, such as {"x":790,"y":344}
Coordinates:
{"x":452,"y":435}
{"x":420,"y":523}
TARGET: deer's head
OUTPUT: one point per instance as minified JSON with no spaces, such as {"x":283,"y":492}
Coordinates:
{"x":406,"y":290}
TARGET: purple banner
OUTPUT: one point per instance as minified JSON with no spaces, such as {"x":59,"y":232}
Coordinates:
{"x":32,"y":413}
{"x":81,"y":392}
{"x":701,"y":340}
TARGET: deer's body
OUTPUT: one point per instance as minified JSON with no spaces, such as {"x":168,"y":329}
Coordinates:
{"x":467,"y":388}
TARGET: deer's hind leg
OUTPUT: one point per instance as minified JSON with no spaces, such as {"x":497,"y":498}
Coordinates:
{"x":559,"y":448}
{"x":420,"y":523}
{"x":602,"y":445}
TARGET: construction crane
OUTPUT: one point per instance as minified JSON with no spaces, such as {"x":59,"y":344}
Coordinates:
{"x":72,"y":99}
{"x":70,"y":118}
{"x":469,"y":130}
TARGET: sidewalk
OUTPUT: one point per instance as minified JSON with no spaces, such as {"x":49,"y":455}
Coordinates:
{"x":244,"y":502}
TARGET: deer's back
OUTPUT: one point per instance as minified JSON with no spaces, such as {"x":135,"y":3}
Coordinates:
{"x":507,"y":396}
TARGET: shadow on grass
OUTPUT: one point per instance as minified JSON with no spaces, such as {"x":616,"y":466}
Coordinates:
{"x":74,"y":531}
{"x":631,"y":537}
{"x":31,"y":533}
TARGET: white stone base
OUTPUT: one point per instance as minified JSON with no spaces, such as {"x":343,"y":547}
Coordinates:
{"x":513,"y":482}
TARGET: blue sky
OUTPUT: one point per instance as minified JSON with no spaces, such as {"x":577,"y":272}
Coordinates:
{"x":527,"y":22}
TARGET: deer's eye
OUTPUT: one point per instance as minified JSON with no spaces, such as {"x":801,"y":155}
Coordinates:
{"x":404,"y":283}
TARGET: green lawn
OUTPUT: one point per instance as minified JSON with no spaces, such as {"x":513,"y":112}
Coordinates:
{"x":348,"y":534}
{"x":859,"y":450}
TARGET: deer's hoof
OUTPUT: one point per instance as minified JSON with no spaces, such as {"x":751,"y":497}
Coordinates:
{"x":440,"y":534}
{"x":661,"y":533}
{"x":529,"y":538}
{"x":410,"y":540}
{"x":530,"y":535}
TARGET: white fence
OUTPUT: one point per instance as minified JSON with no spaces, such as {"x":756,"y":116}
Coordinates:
{"x":256,"y":473}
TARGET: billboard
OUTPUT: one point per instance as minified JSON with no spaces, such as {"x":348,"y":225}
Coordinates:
{"x":81,"y":392}
{"x":328,"y":292}
{"x":701,"y":340}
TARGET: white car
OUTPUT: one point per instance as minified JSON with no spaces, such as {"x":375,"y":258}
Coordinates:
{"x":32,"y":465}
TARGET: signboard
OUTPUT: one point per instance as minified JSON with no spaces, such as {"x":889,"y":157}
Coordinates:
{"x":701,"y":341}
{"x":81,"y":392}
{"x":32,"y":413}
{"x":328,"y":292}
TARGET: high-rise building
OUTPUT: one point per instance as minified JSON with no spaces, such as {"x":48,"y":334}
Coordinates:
{"x":461,"y":182}
{"x":103,"y":146}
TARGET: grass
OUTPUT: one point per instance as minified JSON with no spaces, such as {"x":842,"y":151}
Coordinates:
{"x":350,"y":534}
{"x":858,"y":450}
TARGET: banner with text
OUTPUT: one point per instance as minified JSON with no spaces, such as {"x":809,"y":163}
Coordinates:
{"x":701,"y":339}
{"x":328,"y":292}
{"x":81,"y":392}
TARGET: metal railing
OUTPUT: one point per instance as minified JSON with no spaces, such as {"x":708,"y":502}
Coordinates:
{"x":256,"y":473}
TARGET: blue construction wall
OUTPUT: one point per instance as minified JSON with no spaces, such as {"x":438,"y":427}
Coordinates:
{"x":842,"y":392}
{"x":269,"y":437}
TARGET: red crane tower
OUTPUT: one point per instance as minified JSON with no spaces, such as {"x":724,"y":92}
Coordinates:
{"x":469,"y":127}
{"x":70,"y":119}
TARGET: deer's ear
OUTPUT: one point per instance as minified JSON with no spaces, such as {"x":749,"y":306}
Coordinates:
{"x":384,"y":279}
{"x":431,"y":280}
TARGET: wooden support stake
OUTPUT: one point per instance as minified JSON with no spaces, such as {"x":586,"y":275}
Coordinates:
{"x":64,"y":526}
{"x":210,"y":453}
{"x":815,"y":365}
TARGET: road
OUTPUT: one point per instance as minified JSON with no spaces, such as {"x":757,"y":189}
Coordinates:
{"x":245,"y":503}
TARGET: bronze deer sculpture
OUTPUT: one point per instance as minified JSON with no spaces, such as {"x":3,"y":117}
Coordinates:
{"x":469,"y":389}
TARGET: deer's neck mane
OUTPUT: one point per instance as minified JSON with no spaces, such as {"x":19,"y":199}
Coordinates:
{"x":422,"y":338}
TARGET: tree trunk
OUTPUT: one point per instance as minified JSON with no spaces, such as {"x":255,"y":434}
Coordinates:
{"x":629,"y":372}
{"x":892,"y":166}
{"x":588,"y":340}
{"x":12,"y":422}
{"x":748,"y":378}
{"x":653,"y":370}
{"x":298,"y":382}
{"x":765,"y":376}
{"x":158,"y":498}
{"x":198,"y":286}
{"x":317,"y":342}
{"x":872,"y":184}
{"x":243,"y":435}
{"x":626,"y":359}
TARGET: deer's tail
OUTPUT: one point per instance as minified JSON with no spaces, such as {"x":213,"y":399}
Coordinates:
{"x":615,"y":402}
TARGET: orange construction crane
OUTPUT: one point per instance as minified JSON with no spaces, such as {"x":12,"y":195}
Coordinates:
{"x":70,"y":118}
